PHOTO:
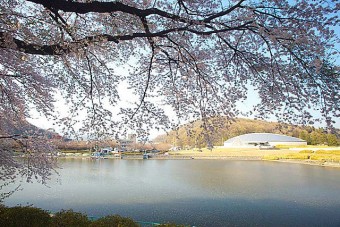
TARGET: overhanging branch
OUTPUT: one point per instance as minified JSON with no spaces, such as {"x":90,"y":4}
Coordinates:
{"x":57,"y":49}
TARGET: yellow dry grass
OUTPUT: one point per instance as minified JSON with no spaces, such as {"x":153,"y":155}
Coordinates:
{"x":231,"y":152}
{"x":274,"y":154}
{"x":318,"y":155}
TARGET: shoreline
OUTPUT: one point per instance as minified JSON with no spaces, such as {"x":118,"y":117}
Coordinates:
{"x":231,"y":158}
{"x":309,"y":162}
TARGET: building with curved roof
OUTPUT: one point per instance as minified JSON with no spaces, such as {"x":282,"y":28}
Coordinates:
{"x":263,"y":139}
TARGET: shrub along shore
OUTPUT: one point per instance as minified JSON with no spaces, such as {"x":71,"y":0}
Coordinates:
{"x":36,"y":217}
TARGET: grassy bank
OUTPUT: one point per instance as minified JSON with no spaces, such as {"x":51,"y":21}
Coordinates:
{"x":321,"y":155}
{"x":318,"y":155}
{"x":230,"y":152}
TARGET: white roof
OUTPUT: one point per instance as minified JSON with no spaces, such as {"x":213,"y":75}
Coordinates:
{"x":263,"y":137}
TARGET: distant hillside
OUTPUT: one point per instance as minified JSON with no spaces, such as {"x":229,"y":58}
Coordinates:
{"x":25,"y":128}
{"x":193,"y":135}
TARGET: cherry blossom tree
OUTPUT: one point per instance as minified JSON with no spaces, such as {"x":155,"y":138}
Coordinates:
{"x":199,"y":57}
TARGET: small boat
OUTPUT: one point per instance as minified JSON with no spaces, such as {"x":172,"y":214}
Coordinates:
{"x":145,"y":156}
{"x":97,"y":155}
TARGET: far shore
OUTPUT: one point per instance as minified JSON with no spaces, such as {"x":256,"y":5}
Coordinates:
{"x":220,"y":153}
{"x":309,"y":162}
{"x":230,"y":158}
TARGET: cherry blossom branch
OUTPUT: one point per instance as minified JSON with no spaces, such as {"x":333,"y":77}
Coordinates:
{"x":57,"y":49}
{"x":146,"y":86}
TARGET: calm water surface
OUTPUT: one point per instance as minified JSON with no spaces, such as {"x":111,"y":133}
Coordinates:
{"x":193,"y":192}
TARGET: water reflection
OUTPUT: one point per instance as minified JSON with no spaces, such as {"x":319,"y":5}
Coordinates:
{"x":196,"y":192}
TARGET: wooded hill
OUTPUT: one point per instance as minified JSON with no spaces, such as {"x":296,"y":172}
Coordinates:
{"x":23,"y":128}
{"x":192,"y":134}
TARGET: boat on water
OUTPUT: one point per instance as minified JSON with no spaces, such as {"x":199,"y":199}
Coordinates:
{"x":98,"y":155}
{"x":145,"y":156}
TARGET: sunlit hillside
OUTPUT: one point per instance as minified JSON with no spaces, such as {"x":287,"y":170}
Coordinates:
{"x":193,"y":135}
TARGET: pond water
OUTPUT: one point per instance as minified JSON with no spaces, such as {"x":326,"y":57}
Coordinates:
{"x":193,"y":192}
